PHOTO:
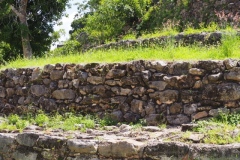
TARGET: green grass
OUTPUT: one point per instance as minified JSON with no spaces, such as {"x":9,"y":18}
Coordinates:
{"x":68,"y":121}
{"x":223,"y":129}
{"x":230,"y":48}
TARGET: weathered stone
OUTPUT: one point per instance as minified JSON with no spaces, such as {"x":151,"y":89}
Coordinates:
{"x":171,"y":80}
{"x":159,"y":85}
{"x":2,"y":92}
{"x":121,"y":91}
{"x":95,"y":80}
{"x":75,"y":83}
{"x":137,"y":106}
{"x":222,"y":92}
{"x":216,"y":112}
{"x":167,"y":96}
{"x":197,"y":71}
{"x":146,"y":75}
{"x":231,"y":104}
{"x":118,"y":99}
{"x":36,"y":74}
{"x":197,"y":85}
{"x":179,"y":68}
{"x":190,"y":96}
{"x":117,"y":116}
{"x":131,"y":117}
{"x":56,"y":74}
{"x":151,"y":129}
{"x":154,"y":119}
{"x":128,"y":81}
{"x":82,"y":147}
{"x":48,"y":68}
{"x":125,"y":128}
{"x":190,"y":108}
{"x":38,"y":90}
{"x":84,"y":90}
{"x":230,"y":63}
{"x":113,"y":83}
{"x":234,"y":74}
{"x":210,"y":65}
{"x":175,"y":108}
{"x":90,"y":99}
{"x":21,"y":100}
{"x":10,"y":92}
{"x":20,"y":155}
{"x":6,"y":141}
{"x":150,"y":109}
{"x":64,"y":94}
{"x":199,"y":115}
{"x":121,"y":148}
{"x":27,"y":139}
{"x":215,"y":77}
{"x":82,"y":76}
{"x":115,"y":73}
{"x":70,"y":74}
{"x":178,"y":119}
{"x":196,"y":137}
{"x":139,"y":91}
{"x":157,"y":65}
{"x":47,"y":104}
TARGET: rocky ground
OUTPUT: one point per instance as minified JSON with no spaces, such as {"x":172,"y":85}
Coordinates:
{"x":110,"y":142}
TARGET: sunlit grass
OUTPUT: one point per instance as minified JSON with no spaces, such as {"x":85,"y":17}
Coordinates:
{"x":230,"y":48}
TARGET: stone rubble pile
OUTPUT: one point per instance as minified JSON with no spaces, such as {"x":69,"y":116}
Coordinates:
{"x":158,"y":91}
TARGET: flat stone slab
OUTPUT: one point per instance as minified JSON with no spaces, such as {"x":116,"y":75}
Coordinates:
{"x":133,"y":143}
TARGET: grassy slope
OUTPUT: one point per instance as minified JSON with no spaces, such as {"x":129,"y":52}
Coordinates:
{"x":229,"y":49}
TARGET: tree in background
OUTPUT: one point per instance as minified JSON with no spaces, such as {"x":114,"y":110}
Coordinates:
{"x":107,"y":19}
{"x":31,"y":22}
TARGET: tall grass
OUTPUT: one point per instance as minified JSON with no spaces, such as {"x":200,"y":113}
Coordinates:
{"x":230,"y":48}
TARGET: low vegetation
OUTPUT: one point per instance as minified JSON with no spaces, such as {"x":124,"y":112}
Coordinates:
{"x":223,"y":129}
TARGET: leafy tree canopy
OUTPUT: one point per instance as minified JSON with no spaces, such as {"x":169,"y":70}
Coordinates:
{"x":41,"y":15}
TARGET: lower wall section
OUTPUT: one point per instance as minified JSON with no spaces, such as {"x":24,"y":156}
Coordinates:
{"x":36,"y":146}
{"x":158,"y":91}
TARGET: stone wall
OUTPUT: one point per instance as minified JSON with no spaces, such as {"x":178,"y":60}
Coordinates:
{"x":158,"y":91}
{"x":204,"y":38}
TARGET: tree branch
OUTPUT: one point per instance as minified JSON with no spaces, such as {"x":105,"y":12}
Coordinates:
{"x":16,"y":11}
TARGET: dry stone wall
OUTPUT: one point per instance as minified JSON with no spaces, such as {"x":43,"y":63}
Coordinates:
{"x":158,"y":91}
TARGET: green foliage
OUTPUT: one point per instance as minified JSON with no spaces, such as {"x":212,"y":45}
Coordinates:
{"x":41,"y":119}
{"x":113,"y":16}
{"x":41,"y":16}
{"x":107,"y":120}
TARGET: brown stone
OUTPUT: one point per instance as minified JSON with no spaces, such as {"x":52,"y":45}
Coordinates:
{"x":95,"y":80}
{"x":56,"y":74}
{"x":38,"y":90}
{"x":200,"y":115}
{"x":137,"y":106}
{"x":175,"y":108}
{"x":167,"y":96}
{"x":159,"y":85}
{"x":197,"y":71}
{"x":64,"y":94}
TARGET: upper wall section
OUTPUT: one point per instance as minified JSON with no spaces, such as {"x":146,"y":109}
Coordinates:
{"x":159,"y":91}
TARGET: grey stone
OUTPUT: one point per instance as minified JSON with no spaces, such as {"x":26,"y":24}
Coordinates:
{"x":151,"y":129}
{"x":137,"y":106}
{"x":25,"y":155}
{"x":38,"y":90}
{"x":6,"y":141}
{"x":115,"y":73}
{"x":27,"y":139}
{"x":56,"y":74}
{"x":234,"y":74}
{"x":64,"y":94}
{"x":159,"y":85}
{"x":197,"y":71}
{"x":121,"y":91}
{"x":36,"y":74}
{"x":230,"y":63}
{"x":117,"y":116}
{"x":2,"y":92}
{"x":157,"y":65}
{"x":167,"y":96}
{"x":216,"y":112}
{"x":190,"y":108}
{"x":121,"y":148}
{"x":48,"y":68}
{"x":154,"y":119}
{"x":215,"y":77}
{"x":222,"y":92}
{"x":95,"y":80}
{"x":178,"y":119}
{"x":125,"y":128}
{"x":83,"y":147}
{"x":179,"y":68}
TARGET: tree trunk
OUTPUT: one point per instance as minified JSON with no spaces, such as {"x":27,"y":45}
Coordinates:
{"x":21,"y":13}
{"x":27,"y":49}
